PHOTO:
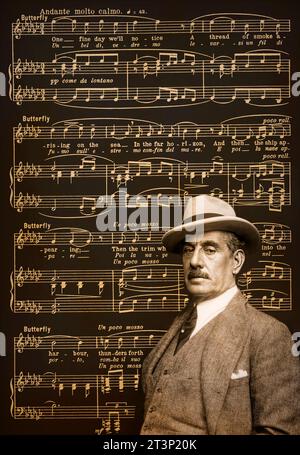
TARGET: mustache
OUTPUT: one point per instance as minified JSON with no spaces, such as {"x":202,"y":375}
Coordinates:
{"x":197,"y":274}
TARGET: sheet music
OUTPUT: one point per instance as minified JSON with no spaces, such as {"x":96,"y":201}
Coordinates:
{"x":118,"y":106}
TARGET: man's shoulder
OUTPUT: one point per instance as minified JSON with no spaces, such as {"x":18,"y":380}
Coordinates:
{"x":261,"y":323}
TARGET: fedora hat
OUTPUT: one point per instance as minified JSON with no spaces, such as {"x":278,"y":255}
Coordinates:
{"x":205,"y":213}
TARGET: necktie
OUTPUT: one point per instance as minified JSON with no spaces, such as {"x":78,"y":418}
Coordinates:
{"x":186,"y":329}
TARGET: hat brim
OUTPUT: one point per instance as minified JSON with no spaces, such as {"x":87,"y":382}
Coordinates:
{"x":245,"y":230}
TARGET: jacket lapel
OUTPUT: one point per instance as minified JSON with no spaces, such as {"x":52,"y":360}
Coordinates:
{"x":158,"y":351}
{"x":220,"y":356}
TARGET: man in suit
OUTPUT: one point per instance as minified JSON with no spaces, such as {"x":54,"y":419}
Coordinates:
{"x":223,"y":367}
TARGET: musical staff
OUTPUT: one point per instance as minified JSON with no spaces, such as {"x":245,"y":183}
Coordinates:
{"x":275,"y":198}
{"x":56,"y":411}
{"x":134,"y":78}
{"x":146,"y":65}
{"x":104,"y":383}
{"x":136,"y":274}
{"x":137,"y":283}
{"x":273,"y":233}
{"x":269,"y":300}
{"x":63,"y":342}
{"x":131,"y":129}
{"x":264,"y":183}
{"x":149,"y":95}
{"x":140,"y":304}
{"x":270,"y":233}
{"x":134,"y":169}
{"x":97,"y":25}
{"x":73,"y":304}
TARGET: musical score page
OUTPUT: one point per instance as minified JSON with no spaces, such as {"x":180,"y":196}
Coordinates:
{"x":121,"y":107}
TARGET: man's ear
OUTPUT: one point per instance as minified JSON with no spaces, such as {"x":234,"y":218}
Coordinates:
{"x":238,"y":261}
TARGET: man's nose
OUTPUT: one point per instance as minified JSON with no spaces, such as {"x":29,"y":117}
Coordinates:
{"x":197,"y":258}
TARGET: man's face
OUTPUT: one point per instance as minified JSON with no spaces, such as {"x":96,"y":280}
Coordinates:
{"x":209,"y":265}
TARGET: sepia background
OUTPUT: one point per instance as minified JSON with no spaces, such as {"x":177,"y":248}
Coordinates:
{"x":140,"y":98}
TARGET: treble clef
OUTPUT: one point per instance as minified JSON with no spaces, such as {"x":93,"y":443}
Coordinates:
{"x":19,"y":134}
{"x":20,"y":278}
{"x":17,"y":30}
{"x":19,"y":96}
{"x":20,"y":203}
{"x":20,"y":343}
{"x":20,"y":382}
{"x":20,"y":240}
{"x":18,"y":69}
{"x":20,"y":172}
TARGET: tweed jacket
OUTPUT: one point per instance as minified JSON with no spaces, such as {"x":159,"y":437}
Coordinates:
{"x":250,"y":381}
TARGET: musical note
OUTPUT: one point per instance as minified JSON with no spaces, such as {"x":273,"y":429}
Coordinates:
{"x":271,"y":302}
{"x":273,"y":271}
{"x":88,"y":205}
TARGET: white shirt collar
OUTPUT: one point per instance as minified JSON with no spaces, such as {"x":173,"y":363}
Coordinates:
{"x":209,"y":309}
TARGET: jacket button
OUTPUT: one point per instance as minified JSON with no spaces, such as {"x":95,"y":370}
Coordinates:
{"x":152,"y":409}
{"x":158,"y":390}
{"x":166,"y":371}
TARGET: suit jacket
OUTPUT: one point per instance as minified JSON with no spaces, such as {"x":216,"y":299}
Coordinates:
{"x":250,"y":381}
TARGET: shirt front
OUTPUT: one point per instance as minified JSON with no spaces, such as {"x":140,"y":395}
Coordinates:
{"x":209,"y":309}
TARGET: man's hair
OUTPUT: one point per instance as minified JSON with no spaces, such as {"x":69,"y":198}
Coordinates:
{"x":234,"y":242}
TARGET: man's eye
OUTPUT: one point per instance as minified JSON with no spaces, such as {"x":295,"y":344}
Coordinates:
{"x":188,"y":250}
{"x":210,"y":250}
